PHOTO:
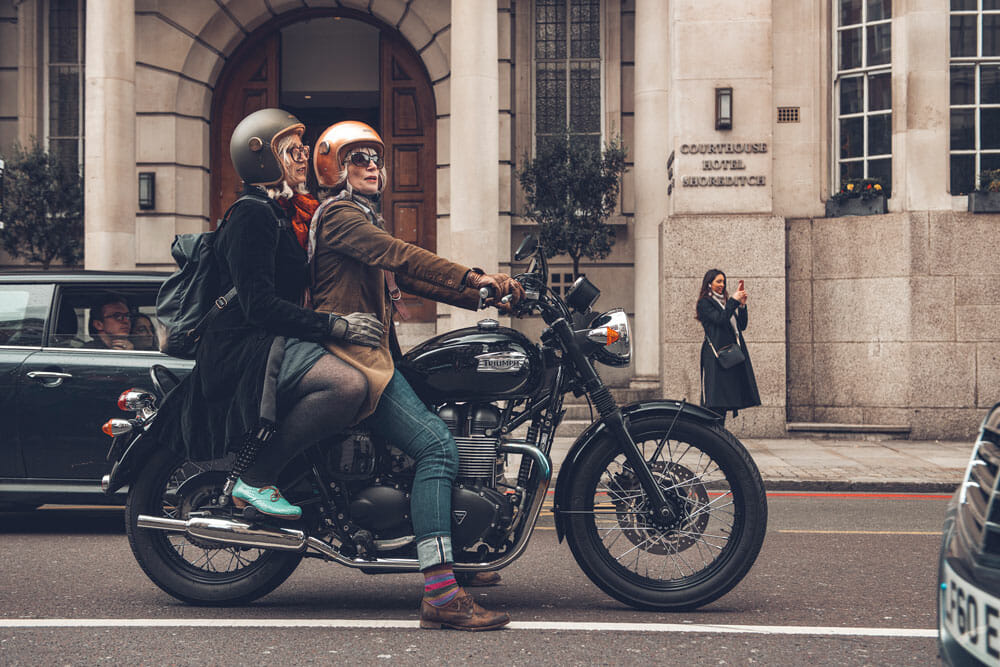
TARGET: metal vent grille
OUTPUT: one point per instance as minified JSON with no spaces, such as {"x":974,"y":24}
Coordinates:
{"x":788,"y":114}
{"x":476,"y":456}
{"x":980,"y":509}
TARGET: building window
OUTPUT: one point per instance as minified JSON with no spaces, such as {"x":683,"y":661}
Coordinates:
{"x":567,"y":69}
{"x":64,"y":87}
{"x":975,"y":91}
{"x":863,"y":90}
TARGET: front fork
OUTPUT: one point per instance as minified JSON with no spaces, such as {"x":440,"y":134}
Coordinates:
{"x":611,"y":417}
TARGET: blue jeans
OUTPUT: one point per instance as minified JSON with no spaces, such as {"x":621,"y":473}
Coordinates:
{"x":403,"y":420}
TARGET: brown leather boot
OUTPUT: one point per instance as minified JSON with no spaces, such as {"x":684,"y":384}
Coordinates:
{"x":462,"y":613}
{"x":479,"y":579}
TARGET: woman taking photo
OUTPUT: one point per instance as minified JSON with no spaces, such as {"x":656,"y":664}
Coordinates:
{"x":358,"y":265}
{"x":261,"y":362}
{"x":724,"y":318}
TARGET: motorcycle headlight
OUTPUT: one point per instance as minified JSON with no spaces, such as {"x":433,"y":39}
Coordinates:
{"x":617,"y":351}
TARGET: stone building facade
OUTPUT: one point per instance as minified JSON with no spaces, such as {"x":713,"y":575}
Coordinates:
{"x":742,"y":120}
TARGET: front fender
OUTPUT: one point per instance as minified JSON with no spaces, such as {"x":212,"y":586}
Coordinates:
{"x":642,"y":409}
{"x":128,"y":464}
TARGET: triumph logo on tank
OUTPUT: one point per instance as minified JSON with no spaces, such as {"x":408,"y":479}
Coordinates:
{"x":501,"y":362}
{"x":459,"y":516}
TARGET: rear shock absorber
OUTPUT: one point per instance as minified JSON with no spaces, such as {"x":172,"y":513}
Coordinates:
{"x":246,"y":456}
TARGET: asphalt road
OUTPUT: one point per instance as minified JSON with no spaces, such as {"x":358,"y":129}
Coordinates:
{"x":841,"y":580}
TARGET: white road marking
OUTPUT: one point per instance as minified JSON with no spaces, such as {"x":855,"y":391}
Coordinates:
{"x":27,"y":623}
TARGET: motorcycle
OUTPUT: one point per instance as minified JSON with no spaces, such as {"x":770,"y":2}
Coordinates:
{"x":662,"y":508}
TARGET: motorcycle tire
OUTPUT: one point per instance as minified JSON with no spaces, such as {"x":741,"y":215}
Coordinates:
{"x":720,"y":507}
{"x":199,"y":574}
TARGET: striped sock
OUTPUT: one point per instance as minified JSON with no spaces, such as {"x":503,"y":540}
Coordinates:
{"x":440,"y":588}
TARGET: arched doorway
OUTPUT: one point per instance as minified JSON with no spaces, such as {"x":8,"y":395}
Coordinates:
{"x":376,"y":77}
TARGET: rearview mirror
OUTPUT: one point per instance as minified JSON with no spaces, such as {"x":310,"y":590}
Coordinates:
{"x":527,"y":248}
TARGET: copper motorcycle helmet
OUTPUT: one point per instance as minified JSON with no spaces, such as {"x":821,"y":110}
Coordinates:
{"x":333,"y":146}
{"x":252,"y":147}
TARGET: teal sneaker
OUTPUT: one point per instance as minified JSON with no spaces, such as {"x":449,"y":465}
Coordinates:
{"x":266,"y":500}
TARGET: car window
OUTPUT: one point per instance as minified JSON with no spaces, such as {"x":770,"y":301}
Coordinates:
{"x":22,"y":313}
{"x":108,"y":317}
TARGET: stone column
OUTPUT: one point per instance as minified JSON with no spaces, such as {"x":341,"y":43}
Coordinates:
{"x":652,"y":82}
{"x":474,"y":141}
{"x":29,"y":62}
{"x":110,"y":188}
{"x":920,"y":94}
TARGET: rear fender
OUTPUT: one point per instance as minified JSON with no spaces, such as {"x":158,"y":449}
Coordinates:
{"x":128,"y":464}
{"x":597,"y":430}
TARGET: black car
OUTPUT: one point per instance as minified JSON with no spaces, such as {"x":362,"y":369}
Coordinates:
{"x":969,"y":567}
{"x":59,"y":383}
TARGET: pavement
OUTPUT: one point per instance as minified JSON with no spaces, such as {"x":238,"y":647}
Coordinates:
{"x":835,"y":464}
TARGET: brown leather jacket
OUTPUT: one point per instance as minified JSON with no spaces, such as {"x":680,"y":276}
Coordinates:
{"x":350,"y":255}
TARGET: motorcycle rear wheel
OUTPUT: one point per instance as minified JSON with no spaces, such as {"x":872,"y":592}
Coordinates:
{"x":199,"y":574}
{"x":717,"y":494}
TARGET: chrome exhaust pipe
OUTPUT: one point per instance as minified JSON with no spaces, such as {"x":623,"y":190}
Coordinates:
{"x":231,"y":532}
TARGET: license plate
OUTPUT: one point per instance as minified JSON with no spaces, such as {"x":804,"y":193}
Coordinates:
{"x":971,"y":616}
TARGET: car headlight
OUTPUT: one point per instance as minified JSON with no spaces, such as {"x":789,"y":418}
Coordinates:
{"x":617,"y":350}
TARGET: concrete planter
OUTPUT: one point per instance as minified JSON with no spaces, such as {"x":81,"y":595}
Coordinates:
{"x":984,"y":202}
{"x":855,"y":206}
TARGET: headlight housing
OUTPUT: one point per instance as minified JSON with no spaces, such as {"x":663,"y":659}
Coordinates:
{"x":619,"y":352}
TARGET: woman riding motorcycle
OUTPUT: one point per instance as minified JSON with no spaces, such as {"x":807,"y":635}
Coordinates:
{"x":260,"y":360}
{"x":357,"y":265}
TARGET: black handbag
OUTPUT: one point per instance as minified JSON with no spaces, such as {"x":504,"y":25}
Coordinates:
{"x":728,"y":356}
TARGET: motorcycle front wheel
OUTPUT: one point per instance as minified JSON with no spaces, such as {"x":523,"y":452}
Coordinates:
{"x":719,"y":506}
{"x":193,"y":571}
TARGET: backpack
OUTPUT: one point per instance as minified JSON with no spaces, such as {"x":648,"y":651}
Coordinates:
{"x":189,"y":299}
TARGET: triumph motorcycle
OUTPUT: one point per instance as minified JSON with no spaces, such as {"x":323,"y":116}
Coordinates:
{"x":662,"y":507}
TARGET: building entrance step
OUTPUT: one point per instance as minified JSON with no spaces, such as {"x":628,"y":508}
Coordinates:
{"x":849,"y":431}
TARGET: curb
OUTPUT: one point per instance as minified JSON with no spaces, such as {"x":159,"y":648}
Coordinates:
{"x":860,"y":487}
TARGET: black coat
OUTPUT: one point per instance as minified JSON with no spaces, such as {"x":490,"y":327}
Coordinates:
{"x":725,"y":388}
{"x":232,"y":389}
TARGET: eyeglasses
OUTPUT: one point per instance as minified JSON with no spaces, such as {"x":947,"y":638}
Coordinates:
{"x":298,"y":153}
{"x":361,"y":159}
{"x":118,"y":317}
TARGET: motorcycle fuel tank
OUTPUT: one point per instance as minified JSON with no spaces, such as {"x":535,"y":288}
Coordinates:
{"x":483,"y":363}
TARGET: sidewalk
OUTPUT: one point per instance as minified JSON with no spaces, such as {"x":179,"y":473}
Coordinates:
{"x":830,"y":464}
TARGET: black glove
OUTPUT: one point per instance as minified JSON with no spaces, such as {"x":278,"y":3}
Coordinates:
{"x":357,"y":328}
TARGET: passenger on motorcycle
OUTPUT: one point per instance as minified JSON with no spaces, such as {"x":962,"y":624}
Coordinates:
{"x":261,"y":363}
{"x":358,"y":265}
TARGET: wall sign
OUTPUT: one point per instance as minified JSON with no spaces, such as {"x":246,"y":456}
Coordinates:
{"x":723,"y":165}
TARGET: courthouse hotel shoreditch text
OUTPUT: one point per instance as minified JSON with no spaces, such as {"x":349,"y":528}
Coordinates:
{"x":717,"y":163}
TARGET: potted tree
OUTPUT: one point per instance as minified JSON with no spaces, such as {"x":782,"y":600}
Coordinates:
{"x":987,"y":198}
{"x":42,"y":208}
{"x":571,"y":188}
{"x":864,"y":196}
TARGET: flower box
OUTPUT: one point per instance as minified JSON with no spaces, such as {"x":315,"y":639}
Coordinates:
{"x":838,"y":208}
{"x":984,"y":202}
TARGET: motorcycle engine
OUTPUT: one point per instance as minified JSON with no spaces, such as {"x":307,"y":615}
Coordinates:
{"x":479,"y":511}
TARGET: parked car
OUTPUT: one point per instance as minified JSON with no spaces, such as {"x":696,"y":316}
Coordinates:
{"x":59,"y":383}
{"x":969,"y":566}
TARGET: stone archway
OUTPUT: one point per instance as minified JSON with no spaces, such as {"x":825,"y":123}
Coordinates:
{"x":251,"y":80}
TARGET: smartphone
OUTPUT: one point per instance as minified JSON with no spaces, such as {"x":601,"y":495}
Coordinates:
{"x":740,"y":286}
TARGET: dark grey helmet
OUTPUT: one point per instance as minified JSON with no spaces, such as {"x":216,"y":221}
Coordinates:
{"x":252,"y":145}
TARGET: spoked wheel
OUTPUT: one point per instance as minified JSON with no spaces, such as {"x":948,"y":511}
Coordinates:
{"x":191,"y":570}
{"x":718,"y":507}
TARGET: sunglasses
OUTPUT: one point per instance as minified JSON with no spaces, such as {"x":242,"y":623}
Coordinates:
{"x":298,"y":153}
{"x":118,"y":317}
{"x":360,"y":159}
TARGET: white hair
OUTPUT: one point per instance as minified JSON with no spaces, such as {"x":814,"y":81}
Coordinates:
{"x":282,"y":190}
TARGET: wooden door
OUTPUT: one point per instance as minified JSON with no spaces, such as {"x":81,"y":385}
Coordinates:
{"x":409,"y":204}
{"x":251,"y":84}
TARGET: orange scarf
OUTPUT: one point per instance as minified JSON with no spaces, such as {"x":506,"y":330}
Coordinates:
{"x":301,"y":206}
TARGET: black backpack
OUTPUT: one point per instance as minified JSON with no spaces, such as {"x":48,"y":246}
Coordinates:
{"x":189,"y":299}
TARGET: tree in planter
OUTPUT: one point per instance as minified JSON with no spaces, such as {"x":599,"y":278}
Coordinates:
{"x":571,"y":188}
{"x":42,"y":208}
